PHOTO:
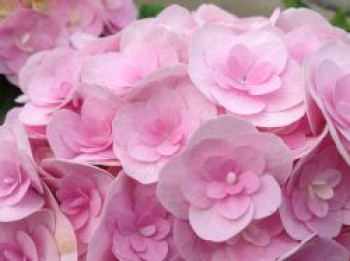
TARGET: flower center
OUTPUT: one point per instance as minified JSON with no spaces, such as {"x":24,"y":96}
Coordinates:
{"x":231,"y":177}
{"x":24,"y":41}
{"x":148,"y":231}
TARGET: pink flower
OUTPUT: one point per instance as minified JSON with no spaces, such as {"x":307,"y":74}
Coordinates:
{"x":94,"y":16}
{"x":264,"y":240}
{"x":23,"y":33}
{"x":117,"y":14}
{"x":318,"y":249}
{"x":228,"y":176}
{"x":81,"y":191}
{"x":207,"y":13}
{"x":157,"y":122}
{"x":49,"y":80}
{"x":90,"y":131}
{"x":168,"y":34}
{"x":211,"y":14}
{"x":137,"y":229}
{"x":117,"y":71}
{"x":299,"y":24}
{"x":250,"y":74}
{"x":154,"y":43}
{"x":317,"y":198}
{"x":328,"y":77}
{"x":32,"y":238}
{"x":305,"y":134}
{"x":78,"y":15}
{"x":21,"y":191}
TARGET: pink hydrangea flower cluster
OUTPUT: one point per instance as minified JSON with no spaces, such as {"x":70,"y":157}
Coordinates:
{"x":195,"y":136}
{"x":31,"y":26}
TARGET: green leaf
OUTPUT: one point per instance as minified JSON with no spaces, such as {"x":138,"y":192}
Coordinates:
{"x":150,"y":10}
{"x":340,"y":19}
{"x":294,"y":3}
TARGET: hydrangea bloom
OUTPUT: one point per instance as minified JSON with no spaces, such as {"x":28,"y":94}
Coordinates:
{"x":264,"y":240}
{"x":328,"y":76}
{"x":31,"y":26}
{"x":90,"y":128}
{"x":34,"y":238}
{"x":317,"y":195}
{"x":138,"y":229}
{"x":190,"y":136}
{"x":81,"y":191}
{"x":21,"y":190}
{"x":299,"y":24}
{"x":250,"y":74}
{"x":24,"y":33}
{"x":318,"y":249}
{"x":157,"y":122}
{"x":49,"y":80}
{"x":229,"y":175}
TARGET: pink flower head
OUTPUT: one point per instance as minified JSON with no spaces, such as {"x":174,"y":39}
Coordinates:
{"x":23,"y":33}
{"x":21,"y":191}
{"x":317,"y":249}
{"x":32,"y":238}
{"x":328,"y":78}
{"x":207,"y":13}
{"x":90,"y":131}
{"x":249,"y":74}
{"x":118,"y":72}
{"x":299,"y":24}
{"x":264,"y":240}
{"x":75,"y":15}
{"x":157,"y":122}
{"x":305,"y":134}
{"x":211,"y":14}
{"x":168,"y":34}
{"x":117,"y":14}
{"x":49,"y":80}
{"x":134,"y":225}
{"x":228,"y":176}
{"x":81,"y":191}
{"x":317,"y":195}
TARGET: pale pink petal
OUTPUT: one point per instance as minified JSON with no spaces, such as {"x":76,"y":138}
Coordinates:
{"x":205,"y":223}
{"x":267,"y":199}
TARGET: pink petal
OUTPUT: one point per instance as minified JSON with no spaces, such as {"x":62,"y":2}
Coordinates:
{"x":317,"y":206}
{"x":234,"y":207}
{"x":169,"y":188}
{"x":293,"y":226}
{"x":300,"y":207}
{"x":238,"y":102}
{"x":250,"y":181}
{"x":328,"y":226}
{"x":210,"y":225}
{"x":27,"y":246}
{"x":225,"y":127}
{"x":318,"y":249}
{"x":267,"y":87}
{"x":31,"y":203}
{"x":143,"y":152}
{"x":267,"y":199}
{"x":216,"y":190}
{"x":278,"y":157}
